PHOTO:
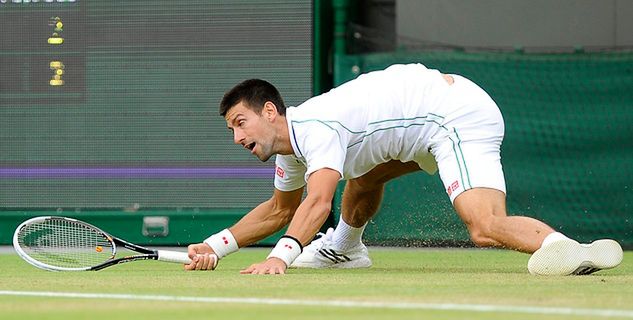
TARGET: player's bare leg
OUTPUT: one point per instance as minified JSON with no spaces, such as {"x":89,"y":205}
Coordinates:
{"x":342,"y":247}
{"x":362,"y":196}
{"x":483,"y":211}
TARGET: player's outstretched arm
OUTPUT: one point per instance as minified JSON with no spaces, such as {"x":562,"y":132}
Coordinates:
{"x":264,"y":220}
{"x":267,"y":218}
{"x":308,"y":219}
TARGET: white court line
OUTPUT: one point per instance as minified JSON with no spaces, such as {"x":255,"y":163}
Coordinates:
{"x":337,"y":303}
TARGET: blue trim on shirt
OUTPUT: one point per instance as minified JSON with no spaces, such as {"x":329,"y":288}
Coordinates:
{"x":294,"y":136}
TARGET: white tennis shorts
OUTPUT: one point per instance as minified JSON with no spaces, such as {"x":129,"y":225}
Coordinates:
{"x":467,"y":147}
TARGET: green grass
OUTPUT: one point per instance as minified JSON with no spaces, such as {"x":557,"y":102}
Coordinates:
{"x":490,"y":277}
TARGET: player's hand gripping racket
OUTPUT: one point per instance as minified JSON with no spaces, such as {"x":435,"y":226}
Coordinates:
{"x":65,"y":244}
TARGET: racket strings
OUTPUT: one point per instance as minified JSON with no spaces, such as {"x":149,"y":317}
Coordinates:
{"x":65,"y":243}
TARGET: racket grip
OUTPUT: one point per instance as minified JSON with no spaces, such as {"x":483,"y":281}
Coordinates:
{"x":173,"y":256}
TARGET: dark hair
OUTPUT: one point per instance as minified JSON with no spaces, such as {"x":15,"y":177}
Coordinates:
{"x":254,"y":93}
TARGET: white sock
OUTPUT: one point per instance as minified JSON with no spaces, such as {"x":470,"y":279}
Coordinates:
{"x":345,"y":236}
{"x":552,"y":237}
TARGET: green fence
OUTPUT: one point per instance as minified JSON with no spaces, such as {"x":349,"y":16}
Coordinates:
{"x":567,"y":153}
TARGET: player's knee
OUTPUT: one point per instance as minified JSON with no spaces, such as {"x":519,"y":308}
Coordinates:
{"x":480,"y":233}
{"x":481,"y":240}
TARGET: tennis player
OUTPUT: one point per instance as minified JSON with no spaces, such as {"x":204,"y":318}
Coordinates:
{"x":380,"y":126}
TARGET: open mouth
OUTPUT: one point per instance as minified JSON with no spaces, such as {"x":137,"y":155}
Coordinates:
{"x":250,"y":146}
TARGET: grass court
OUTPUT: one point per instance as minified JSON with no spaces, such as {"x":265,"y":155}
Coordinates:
{"x":402,"y":284}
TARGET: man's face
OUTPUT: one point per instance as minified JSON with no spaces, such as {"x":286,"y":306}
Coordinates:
{"x":253,"y":131}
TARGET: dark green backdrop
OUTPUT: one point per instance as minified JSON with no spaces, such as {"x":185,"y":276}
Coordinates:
{"x":567,"y":153}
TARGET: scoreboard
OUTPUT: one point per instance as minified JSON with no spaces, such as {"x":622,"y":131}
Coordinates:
{"x":113,"y":104}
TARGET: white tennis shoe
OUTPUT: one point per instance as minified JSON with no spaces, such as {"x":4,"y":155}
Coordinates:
{"x":568,"y":257}
{"x":320,"y":253}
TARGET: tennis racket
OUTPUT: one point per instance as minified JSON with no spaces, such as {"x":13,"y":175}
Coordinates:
{"x":65,"y":244}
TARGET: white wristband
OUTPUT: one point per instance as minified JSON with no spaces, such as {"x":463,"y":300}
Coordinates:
{"x":222,"y":243}
{"x":287,"y":249}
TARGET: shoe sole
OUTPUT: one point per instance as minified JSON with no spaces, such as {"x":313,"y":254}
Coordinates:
{"x":329,"y":258}
{"x":354,"y":264}
{"x":567,"y":257}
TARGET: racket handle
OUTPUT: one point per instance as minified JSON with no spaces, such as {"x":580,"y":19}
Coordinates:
{"x":173,"y":256}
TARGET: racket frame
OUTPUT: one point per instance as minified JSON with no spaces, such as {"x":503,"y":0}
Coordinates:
{"x":146,"y":253}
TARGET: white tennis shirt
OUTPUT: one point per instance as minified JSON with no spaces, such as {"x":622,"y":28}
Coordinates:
{"x":380,"y":116}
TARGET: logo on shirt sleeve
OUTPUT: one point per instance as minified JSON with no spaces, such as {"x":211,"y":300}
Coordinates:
{"x":280,"y":172}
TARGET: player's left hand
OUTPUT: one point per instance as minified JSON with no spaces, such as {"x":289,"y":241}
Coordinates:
{"x":270,"y":266}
